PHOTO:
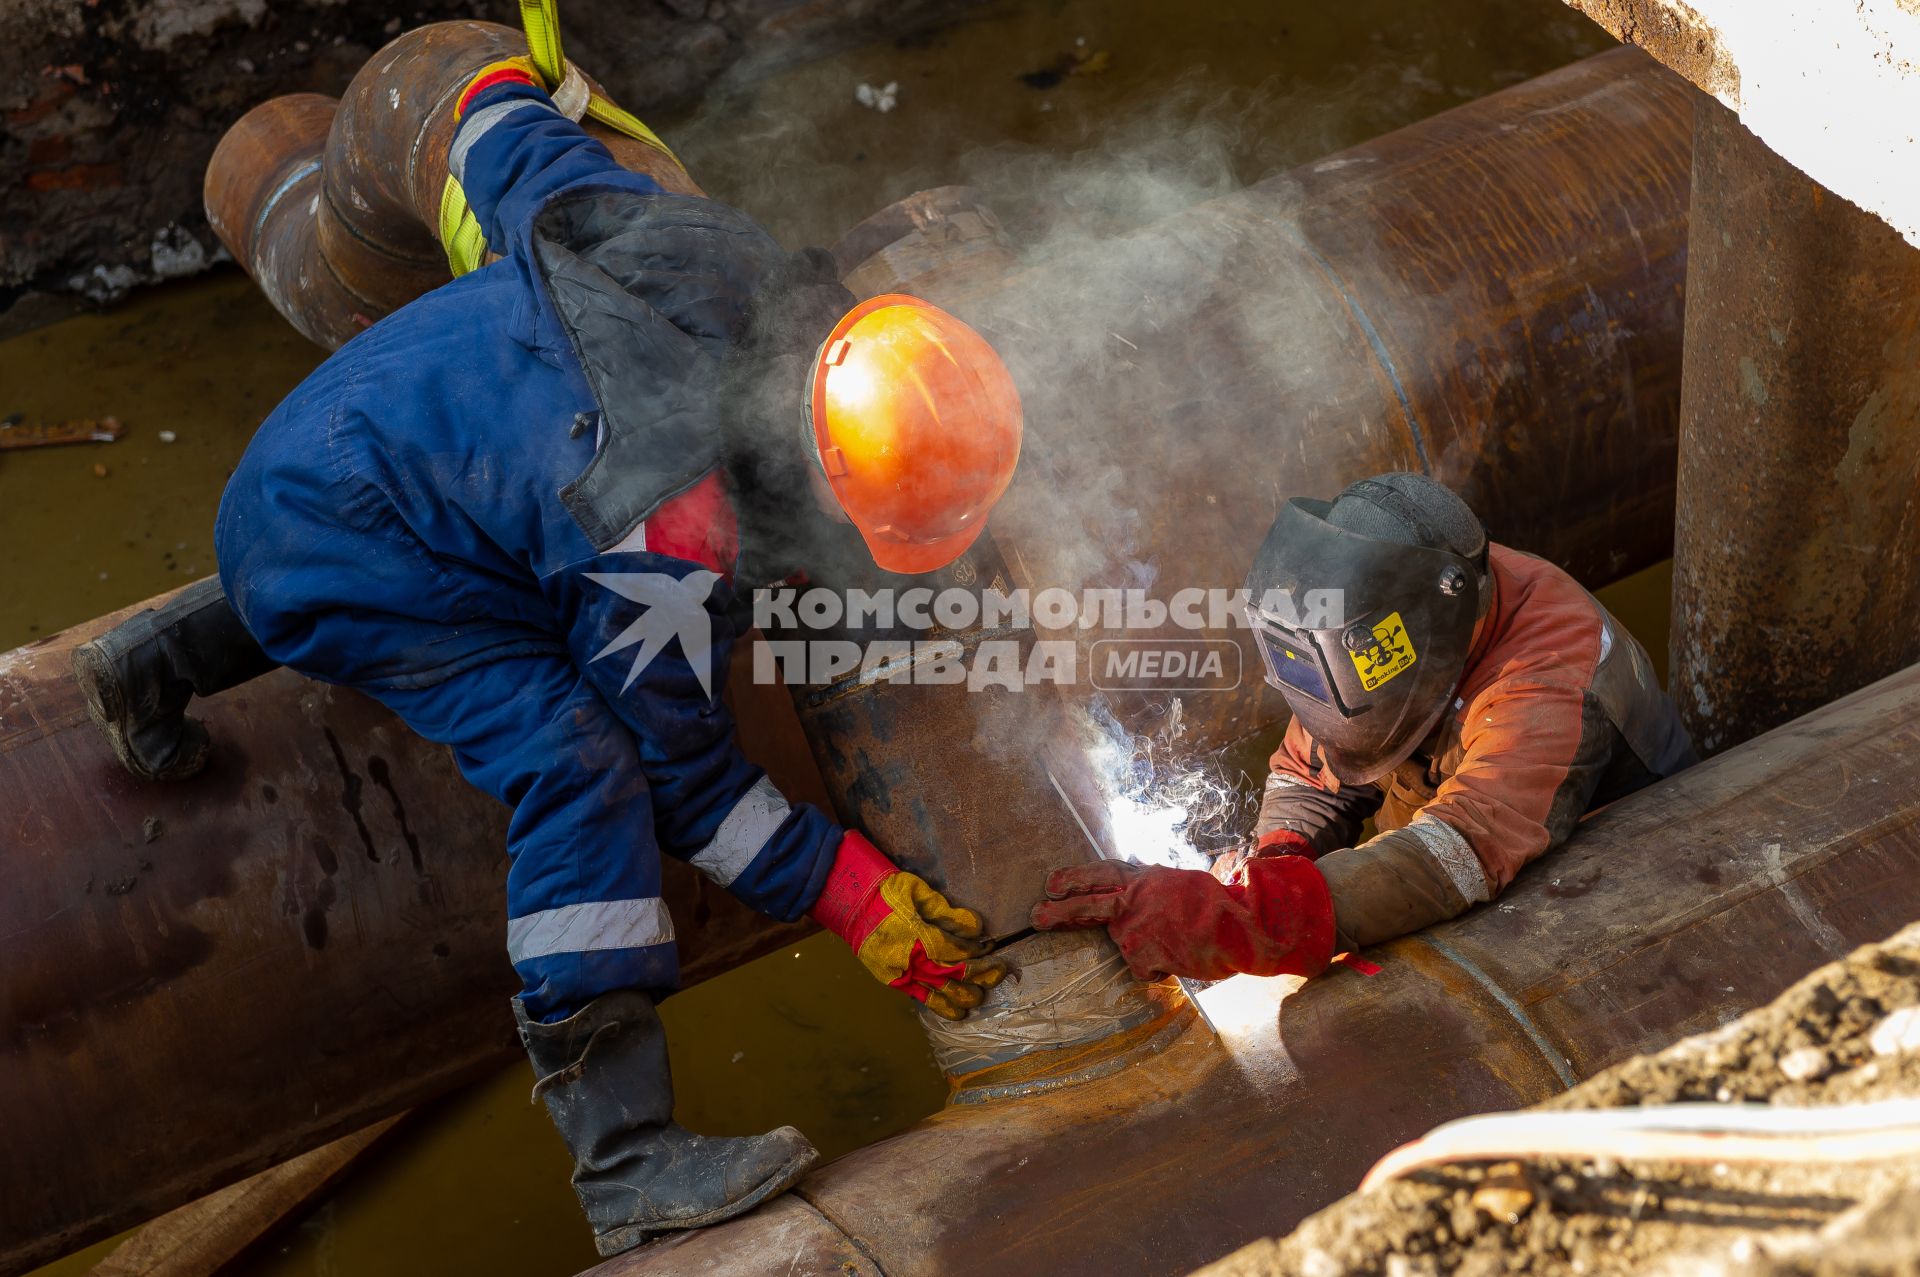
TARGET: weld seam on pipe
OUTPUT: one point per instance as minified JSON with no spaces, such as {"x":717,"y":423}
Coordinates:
{"x":353,"y":229}
{"x":287,"y":183}
{"x":1375,"y":341}
{"x":1087,"y":1004}
{"x":420,"y":140}
{"x":1555,"y":1061}
{"x":1882,"y":1130}
{"x":853,"y":1239}
{"x":1162,"y":1038}
{"x":364,"y":302}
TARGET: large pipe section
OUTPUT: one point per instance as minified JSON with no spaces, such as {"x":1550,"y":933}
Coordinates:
{"x":1669,"y":913}
{"x":334,"y":209}
{"x":1493,"y":295}
{"x":201,"y":978}
{"x":1558,"y":365}
{"x":1797,"y":552}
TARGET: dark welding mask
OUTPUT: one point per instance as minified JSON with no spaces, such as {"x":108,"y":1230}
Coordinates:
{"x":1367,"y":637}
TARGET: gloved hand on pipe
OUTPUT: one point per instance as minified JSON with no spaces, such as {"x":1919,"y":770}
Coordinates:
{"x":1278,"y":920}
{"x":1229,"y":864}
{"x":904,"y":931}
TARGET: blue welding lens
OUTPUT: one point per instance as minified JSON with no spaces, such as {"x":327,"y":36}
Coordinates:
{"x":1293,"y":663}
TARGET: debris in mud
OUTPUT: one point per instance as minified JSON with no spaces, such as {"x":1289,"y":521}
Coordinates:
{"x":14,"y":433}
{"x":882,"y":99}
{"x":1079,"y":60}
{"x":1847,"y":1034}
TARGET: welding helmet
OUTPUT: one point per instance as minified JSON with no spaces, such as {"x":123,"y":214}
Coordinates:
{"x":1363,"y":609}
{"x":915,"y":424}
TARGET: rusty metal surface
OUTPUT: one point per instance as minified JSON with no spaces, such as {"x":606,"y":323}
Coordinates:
{"x":1669,"y":912}
{"x":356,"y":238}
{"x":797,"y":1242}
{"x":952,"y":783}
{"x":262,"y":186}
{"x":201,"y":978}
{"x":1151,"y":1169}
{"x":1493,"y":296}
{"x":1774,"y":858}
{"x":1798,"y":542}
{"x":937,"y":242}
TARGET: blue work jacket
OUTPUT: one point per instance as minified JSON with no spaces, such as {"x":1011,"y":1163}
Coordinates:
{"x":434,"y":517}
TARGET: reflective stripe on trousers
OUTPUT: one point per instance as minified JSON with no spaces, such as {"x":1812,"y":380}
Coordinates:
{"x":584,"y":928}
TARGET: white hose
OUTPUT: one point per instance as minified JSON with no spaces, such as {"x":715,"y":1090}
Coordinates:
{"x":1883,"y":1130}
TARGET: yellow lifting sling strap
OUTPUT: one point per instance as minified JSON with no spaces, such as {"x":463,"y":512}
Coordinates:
{"x":460,"y":233}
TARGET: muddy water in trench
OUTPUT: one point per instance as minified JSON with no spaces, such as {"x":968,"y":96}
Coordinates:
{"x":1069,"y":114}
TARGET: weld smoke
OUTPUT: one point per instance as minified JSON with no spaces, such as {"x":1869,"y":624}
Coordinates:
{"x":1154,"y":336}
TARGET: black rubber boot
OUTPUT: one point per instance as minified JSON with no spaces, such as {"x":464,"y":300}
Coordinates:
{"x":604,"y":1076}
{"x":139,"y":676}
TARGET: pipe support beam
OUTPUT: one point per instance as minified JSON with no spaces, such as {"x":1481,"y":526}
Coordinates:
{"x":1797,"y":545}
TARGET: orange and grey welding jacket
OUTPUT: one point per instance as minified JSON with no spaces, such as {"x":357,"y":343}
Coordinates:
{"x":1557,"y":711}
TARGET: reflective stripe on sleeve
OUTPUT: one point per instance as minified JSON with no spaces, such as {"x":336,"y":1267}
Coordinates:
{"x":585,"y":928}
{"x":477,"y":124}
{"x":1450,"y":847}
{"x":753,"y":820}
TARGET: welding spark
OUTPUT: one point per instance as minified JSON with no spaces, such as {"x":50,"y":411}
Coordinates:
{"x":1163,"y":805}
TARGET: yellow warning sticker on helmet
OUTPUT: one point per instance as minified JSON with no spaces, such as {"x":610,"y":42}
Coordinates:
{"x":1390,"y":655}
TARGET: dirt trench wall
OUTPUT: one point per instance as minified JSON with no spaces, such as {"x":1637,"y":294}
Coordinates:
{"x":1847,"y":1033}
{"x":112,"y":107}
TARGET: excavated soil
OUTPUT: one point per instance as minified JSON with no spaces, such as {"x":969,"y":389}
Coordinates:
{"x":1848,"y":1032}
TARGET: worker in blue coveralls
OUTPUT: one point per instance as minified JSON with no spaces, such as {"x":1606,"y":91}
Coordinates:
{"x":515,"y":512}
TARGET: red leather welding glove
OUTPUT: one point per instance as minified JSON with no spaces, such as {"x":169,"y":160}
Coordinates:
{"x":904,"y":931}
{"x":1277,"y":921}
{"x":1229,"y":866}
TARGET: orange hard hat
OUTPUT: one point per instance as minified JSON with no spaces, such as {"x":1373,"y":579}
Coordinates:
{"x":917,"y":423}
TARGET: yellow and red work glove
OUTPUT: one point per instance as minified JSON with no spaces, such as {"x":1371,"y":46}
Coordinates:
{"x":1277,"y":919}
{"x":904,"y":931}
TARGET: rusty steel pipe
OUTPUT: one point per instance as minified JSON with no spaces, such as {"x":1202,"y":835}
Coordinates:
{"x":983,"y":821}
{"x":1667,"y":914}
{"x":345,"y":233}
{"x":1493,"y":295}
{"x":270,"y":226}
{"x":1797,"y":553}
{"x":201,"y":978}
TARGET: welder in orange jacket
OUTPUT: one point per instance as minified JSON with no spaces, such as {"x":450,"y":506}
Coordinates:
{"x":1472,"y":699}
